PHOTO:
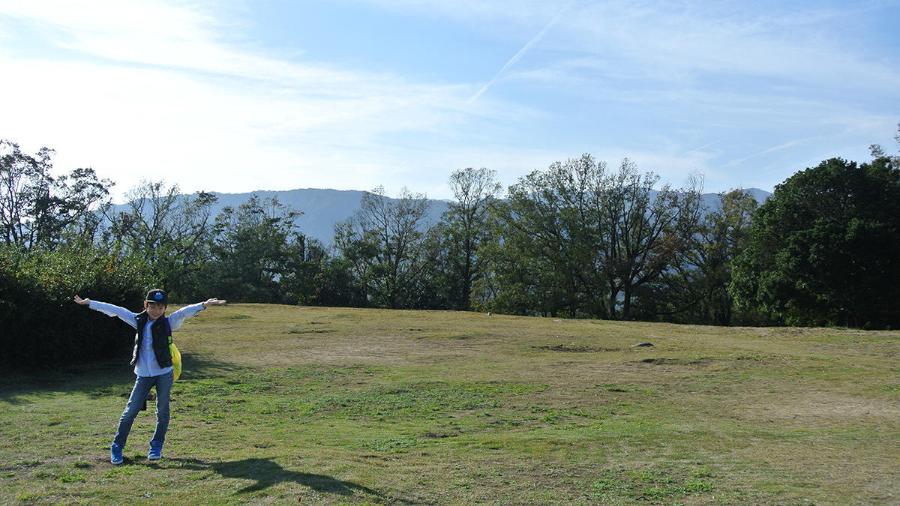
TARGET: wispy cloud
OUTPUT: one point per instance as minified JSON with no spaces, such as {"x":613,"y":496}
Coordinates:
{"x":180,"y":91}
{"x":157,"y":85}
{"x":662,"y":40}
{"x":777,"y":72}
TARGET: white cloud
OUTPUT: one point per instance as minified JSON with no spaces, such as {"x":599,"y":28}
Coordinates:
{"x":157,"y":95}
{"x":144,"y":90}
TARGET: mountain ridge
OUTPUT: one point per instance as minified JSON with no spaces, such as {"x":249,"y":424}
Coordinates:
{"x":323,"y":208}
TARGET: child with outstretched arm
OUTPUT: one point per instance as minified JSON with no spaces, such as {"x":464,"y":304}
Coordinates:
{"x":152,"y":362}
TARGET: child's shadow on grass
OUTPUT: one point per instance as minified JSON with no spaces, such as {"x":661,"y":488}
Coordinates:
{"x":268,"y":473}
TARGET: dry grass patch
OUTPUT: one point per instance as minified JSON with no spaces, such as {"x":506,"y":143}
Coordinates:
{"x":281,"y":404}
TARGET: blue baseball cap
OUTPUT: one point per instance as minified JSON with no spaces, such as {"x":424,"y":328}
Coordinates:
{"x":157,"y":295}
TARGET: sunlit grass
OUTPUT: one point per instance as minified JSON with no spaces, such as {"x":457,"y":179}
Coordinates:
{"x":280,"y":404}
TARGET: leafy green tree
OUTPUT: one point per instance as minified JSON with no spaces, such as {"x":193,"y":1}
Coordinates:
{"x":258,"y":255}
{"x":824,"y":248}
{"x":337,"y":284}
{"x":437,"y":286}
{"x":303,"y":275}
{"x":546,"y":235}
{"x":518,"y":278}
{"x":580,"y":239}
{"x":351,"y":270}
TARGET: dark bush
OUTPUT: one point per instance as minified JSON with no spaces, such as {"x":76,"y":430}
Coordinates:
{"x":43,"y":327}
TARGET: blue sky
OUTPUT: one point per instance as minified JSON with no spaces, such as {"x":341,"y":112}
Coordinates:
{"x":235,"y":96}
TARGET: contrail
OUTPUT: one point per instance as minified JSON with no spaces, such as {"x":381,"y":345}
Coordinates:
{"x":518,"y":56}
{"x":779,"y":147}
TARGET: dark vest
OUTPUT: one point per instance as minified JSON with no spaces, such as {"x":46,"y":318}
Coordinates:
{"x":162,"y":336}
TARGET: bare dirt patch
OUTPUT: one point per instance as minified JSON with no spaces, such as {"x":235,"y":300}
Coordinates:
{"x":820,"y":406}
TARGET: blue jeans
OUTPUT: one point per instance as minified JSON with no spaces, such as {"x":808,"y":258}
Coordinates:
{"x":138,"y":395}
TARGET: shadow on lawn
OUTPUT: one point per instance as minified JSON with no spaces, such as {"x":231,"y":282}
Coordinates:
{"x":267,"y":473}
{"x":109,"y":377}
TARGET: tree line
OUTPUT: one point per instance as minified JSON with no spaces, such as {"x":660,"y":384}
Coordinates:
{"x":577,"y":239}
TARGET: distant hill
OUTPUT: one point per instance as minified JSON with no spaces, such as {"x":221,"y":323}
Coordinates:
{"x":712,"y":202}
{"x":323,"y":209}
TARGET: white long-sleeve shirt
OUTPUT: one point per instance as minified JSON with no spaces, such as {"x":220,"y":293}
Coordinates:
{"x":146,"y":364}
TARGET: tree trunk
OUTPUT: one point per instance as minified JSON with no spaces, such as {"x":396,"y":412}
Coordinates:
{"x":626,"y":304}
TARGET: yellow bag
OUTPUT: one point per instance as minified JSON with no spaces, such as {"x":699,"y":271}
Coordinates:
{"x":176,"y":360}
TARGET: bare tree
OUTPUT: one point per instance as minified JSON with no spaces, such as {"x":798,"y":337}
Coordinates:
{"x":37,"y":209}
{"x":170,"y":231}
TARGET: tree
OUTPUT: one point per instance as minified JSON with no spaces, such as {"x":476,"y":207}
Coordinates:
{"x":257,"y":253}
{"x":337,"y":285}
{"x":647,"y":231}
{"x":824,"y":248}
{"x":350,"y":272}
{"x":170,"y":232}
{"x":878,"y":152}
{"x":304,"y":270}
{"x":695,"y":289}
{"x":382,"y":242}
{"x":589,"y":238}
{"x":519,"y":275}
{"x":461,"y":232}
{"x":41,"y":325}
{"x":550,"y":232}
{"x":38,"y":210}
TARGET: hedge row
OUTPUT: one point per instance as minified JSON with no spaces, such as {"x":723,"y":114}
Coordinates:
{"x":42,"y":326}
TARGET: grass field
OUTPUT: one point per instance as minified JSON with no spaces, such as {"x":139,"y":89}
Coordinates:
{"x":281,"y":404}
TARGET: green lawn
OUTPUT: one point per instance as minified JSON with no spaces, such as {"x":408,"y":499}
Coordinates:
{"x":280,"y":404}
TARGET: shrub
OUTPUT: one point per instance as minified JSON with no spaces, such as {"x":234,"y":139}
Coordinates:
{"x":42,"y":326}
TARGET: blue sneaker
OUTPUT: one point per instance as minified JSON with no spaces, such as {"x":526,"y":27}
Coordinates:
{"x":115,"y":454}
{"x":155,"y":451}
